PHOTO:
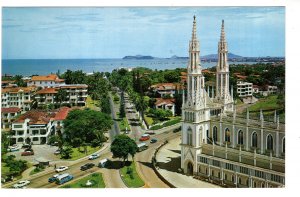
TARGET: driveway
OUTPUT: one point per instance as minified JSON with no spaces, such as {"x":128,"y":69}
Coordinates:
{"x":44,"y":151}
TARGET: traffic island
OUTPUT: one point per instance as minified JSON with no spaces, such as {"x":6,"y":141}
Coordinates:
{"x":94,"y":180}
{"x":130,"y":176}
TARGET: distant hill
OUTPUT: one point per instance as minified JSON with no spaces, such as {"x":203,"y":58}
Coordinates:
{"x":138,"y":57}
{"x":215,"y":56}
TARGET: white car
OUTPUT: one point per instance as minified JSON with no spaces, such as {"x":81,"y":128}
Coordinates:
{"x":94,"y":156}
{"x":21,"y":184}
{"x":61,"y":168}
{"x":13,"y":149}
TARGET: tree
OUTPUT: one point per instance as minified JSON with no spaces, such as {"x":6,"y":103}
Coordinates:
{"x":60,"y":96}
{"x":19,"y":81}
{"x":66,"y":152}
{"x":86,"y":125}
{"x":141,"y":105}
{"x":122,"y":146}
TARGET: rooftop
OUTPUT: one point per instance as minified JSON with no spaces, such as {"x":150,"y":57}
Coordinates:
{"x":18,"y":89}
{"x":51,"y":77}
{"x":162,"y":101}
{"x":62,"y":113}
{"x":47,"y":91}
{"x":10,"y":110}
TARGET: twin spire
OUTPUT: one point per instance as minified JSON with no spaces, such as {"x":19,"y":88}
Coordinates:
{"x":194,"y":32}
{"x":222,"y":38}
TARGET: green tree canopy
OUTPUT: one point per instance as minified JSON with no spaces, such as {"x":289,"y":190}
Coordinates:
{"x":123,"y":146}
{"x":86,"y":125}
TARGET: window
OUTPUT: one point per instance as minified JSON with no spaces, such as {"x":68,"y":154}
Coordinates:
{"x":283,"y":145}
{"x":227,"y":135}
{"x":189,"y":136}
{"x":254,"y":139}
{"x":240,"y":138}
{"x":244,"y":170}
{"x":203,"y":159}
{"x":215,"y":134}
{"x":259,"y":174}
{"x":35,"y":139}
{"x":269,"y":142}
{"x":232,"y":178}
{"x":216,"y":163}
{"x":229,"y":166}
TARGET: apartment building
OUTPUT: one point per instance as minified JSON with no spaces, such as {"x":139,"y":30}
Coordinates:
{"x":76,"y":95}
{"x":20,"y":97}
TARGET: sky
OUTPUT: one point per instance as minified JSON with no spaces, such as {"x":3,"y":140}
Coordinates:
{"x":98,"y":32}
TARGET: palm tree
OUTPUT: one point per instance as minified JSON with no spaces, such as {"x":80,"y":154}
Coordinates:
{"x":141,"y":105}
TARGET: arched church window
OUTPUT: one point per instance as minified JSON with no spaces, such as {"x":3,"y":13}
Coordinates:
{"x":283,"y":145}
{"x":189,"y":136}
{"x":215,"y":134}
{"x":254,"y":139}
{"x":269,"y":142}
{"x":227,"y":135}
{"x":240,"y":138}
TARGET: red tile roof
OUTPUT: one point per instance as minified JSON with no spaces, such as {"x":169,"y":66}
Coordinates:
{"x":62,"y":113}
{"x":10,"y":110}
{"x":47,"y":91}
{"x":36,"y":117}
{"x":161,"y":101}
{"x":17,"y":89}
{"x":51,"y":77}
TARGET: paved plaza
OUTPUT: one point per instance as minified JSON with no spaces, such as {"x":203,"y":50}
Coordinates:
{"x":168,"y":159}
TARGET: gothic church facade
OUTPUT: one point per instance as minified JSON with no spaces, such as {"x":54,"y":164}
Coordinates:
{"x":219,"y":145}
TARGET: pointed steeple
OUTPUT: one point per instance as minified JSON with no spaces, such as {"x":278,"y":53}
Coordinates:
{"x":222,"y":38}
{"x":194,"y":32}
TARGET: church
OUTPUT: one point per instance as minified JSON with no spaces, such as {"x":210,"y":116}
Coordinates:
{"x":217,"y":144}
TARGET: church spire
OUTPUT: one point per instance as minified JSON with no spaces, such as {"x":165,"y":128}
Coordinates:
{"x":194,"y":32}
{"x":222,"y":38}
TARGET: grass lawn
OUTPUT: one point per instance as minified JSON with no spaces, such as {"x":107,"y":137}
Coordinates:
{"x":149,"y":120}
{"x":95,"y":178}
{"x":268,"y":103}
{"x":92,"y":104}
{"x":4,"y":169}
{"x":36,"y":170}
{"x":134,"y":182}
{"x":77,"y":155}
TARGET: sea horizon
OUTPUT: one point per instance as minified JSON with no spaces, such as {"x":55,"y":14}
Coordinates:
{"x":29,"y":67}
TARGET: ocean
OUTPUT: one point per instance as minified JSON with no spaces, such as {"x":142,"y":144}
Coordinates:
{"x":28,"y":67}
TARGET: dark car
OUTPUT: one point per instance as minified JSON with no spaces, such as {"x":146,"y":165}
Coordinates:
{"x":51,"y":179}
{"x":27,"y":153}
{"x":87,"y":166}
{"x":153,"y":140}
{"x":26,"y":146}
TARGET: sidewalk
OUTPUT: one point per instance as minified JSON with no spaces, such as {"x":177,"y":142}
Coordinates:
{"x":168,"y":159}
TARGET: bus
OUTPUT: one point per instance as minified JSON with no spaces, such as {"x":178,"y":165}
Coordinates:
{"x":142,"y":146}
{"x":63,"y":178}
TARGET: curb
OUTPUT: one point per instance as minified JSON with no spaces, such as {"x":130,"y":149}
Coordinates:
{"x":155,"y":169}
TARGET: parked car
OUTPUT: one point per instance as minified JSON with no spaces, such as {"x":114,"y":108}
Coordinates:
{"x":53,"y":178}
{"x":13,"y":149}
{"x":153,"y":140}
{"x":150,"y":132}
{"x":27,"y":153}
{"x":87,"y":166}
{"x":26,"y":146}
{"x":21,"y":184}
{"x":57,"y":152}
{"x":94,"y":156}
{"x":145,"y":137}
{"x":61,"y":168}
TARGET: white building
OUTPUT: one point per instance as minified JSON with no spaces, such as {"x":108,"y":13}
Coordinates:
{"x":37,"y":126}
{"x":164,"y":89}
{"x":165,"y":104}
{"x":244,"y":89}
{"x":76,"y":95}
{"x":217,"y":144}
{"x":21,"y":97}
{"x":8,"y":115}
{"x":46,"y":81}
